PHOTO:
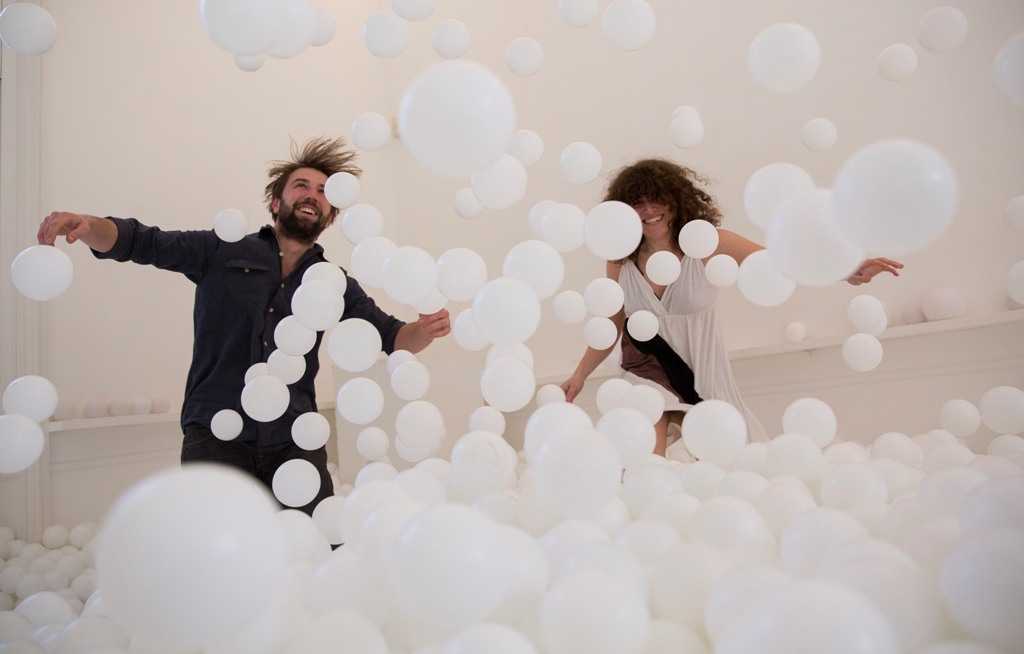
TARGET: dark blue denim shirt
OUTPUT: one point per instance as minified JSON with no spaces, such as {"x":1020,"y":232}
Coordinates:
{"x":240,"y":299}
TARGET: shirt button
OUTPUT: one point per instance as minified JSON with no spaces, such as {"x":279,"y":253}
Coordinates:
{"x":264,"y":344}
{"x":246,"y":270}
{"x":270,"y":310}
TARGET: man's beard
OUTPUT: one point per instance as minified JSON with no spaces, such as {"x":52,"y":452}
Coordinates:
{"x":298,"y":228}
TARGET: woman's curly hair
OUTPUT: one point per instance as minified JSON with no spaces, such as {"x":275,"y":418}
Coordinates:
{"x":659,"y":180}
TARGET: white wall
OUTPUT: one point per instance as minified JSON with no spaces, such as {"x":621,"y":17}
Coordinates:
{"x":142,"y":115}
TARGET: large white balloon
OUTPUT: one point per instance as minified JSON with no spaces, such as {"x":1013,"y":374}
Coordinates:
{"x":628,"y":24}
{"x":761,"y":282}
{"x":42,"y":272}
{"x":784,"y":57}
{"x":318,"y":304}
{"x":295,"y":30}
{"x":21,"y":442}
{"x":806,"y":244}
{"x":942,"y":29}
{"x":370,"y":131}
{"x":360,"y":400}
{"x":527,"y":146}
{"x":1008,"y":69}
{"x":506,"y":310}
{"x":450,"y":38}
{"x":538,"y":264}
{"x":409,"y":274}
{"x":361,"y":221}
{"x":612,"y":230}
{"x":507,"y":384}
{"x":368,"y":257}
{"x":265,"y":398}
{"x":524,"y":56}
{"x":603,"y":296}
{"x":27,"y":29}
{"x":501,"y":183}
{"x":895,"y":196}
{"x":385,"y":34}
{"x":714,"y":431}
{"x":354,"y":345}
{"x":580,"y":162}
{"x":32,"y":396}
{"x":461,"y":273}
{"x":561,"y":225}
{"x":455,"y":118}
{"x":230,"y":225}
{"x":772,"y":185}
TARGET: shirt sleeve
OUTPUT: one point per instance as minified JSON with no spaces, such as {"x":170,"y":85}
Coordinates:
{"x":360,"y":305}
{"x":185,"y":252}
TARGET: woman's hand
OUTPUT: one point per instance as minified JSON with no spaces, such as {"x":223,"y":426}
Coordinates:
{"x":871,"y":267}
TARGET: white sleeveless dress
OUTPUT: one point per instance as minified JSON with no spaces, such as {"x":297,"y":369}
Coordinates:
{"x":688,"y":322}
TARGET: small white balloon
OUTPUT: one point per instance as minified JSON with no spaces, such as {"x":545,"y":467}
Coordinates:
{"x":897,"y":62}
{"x":409,"y":274}
{"x":450,"y":38}
{"x":226,"y":424}
{"x":569,"y":307}
{"x":761,"y":282}
{"x":288,"y":368}
{"x":524,"y":56}
{"x":311,"y":430}
{"x":714,"y":431}
{"x":819,"y":134}
{"x":42,"y":272}
{"x":328,"y":272}
{"x":772,"y":185}
{"x":342,"y":190}
{"x":811,"y":417}
{"x":612,"y":230}
{"x":241,"y":27}
{"x":1002,"y":409}
{"x":413,"y":10}
{"x":862,"y":352}
{"x":318,"y":304}
{"x":1015,"y":282}
{"x":538,"y":264}
{"x":784,"y":57}
{"x":296,"y":482}
{"x":580,"y":162}
{"x":372,"y":443}
{"x":578,"y":13}
{"x":526,"y":146}
{"x":628,"y":24}
{"x":562,"y":225}
{"x":795,"y":331}
{"x":32,"y":396}
{"x":867,"y":314}
{"x":663,"y":267}
{"x":698,"y":239}
{"x":291,"y":337}
{"x":385,"y":34}
{"x":466,"y":333}
{"x":367,"y":258}
{"x":230,"y":225}
{"x":721,"y":270}
{"x":27,"y":29}
{"x":354,"y":345}
{"x":461,"y":273}
{"x":487,"y":418}
{"x":500,"y":184}
{"x":250,"y":63}
{"x":943,"y":303}
{"x":295,"y":29}
{"x":642,"y":325}
{"x":549,"y":393}
{"x":360,"y":400}
{"x":371,"y":132}
{"x":506,"y":310}
{"x":600,"y":333}
{"x":21,"y":442}
{"x":361,"y":221}
{"x":1013,"y":214}
{"x":410,"y":380}
{"x":942,"y":29}
{"x":959,"y":417}
{"x":507,"y":384}
{"x":686,"y":132}
{"x":265,"y":398}
{"x":604,"y":297}
{"x":325,"y":27}
{"x":467,"y":205}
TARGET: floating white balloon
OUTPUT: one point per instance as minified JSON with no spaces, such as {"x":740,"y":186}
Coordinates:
{"x":21,"y":442}
{"x":811,"y":417}
{"x":1002,"y":409}
{"x":361,"y":221}
{"x":686,"y":131}
{"x":761,"y":282}
{"x":296,"y":482}
{"x":295,"y":29}
{"x":466,"y":333}
{"x":385,"y":34}
{"x":450,"y":38}
{"x":867,"y":314}
{"x":862,"y":352}
{"x":372,"y":443}
{"x":242,"y":27}
{"x":226,"y":424}
{"x":1013,"y":214}
{"x":612,"y":230}
{"x":410,"y":380}
{"x":795,"y":331}
{"x":324,"y":28}
{"x":371,"y":132}
{"x":580,"y":162}
{"x":772,"y":185}
{"x":501,"y":183}
{"x":942,"y":29}
{"x":250,"y":63}
{"x":943,"y":303}
{"x":42,"y":272}
{"x":721,"y":270}
{"x":318,"y":304}
{"x":628,"y":24}
{"x":288,"y":368}
{"x":506,"y":310}
{"x":230,"y":225}
{"x":467,"y":205}
{"x":784,"y":57}
{"x":600,"y":333}
{"x":27,"y":29}
{"x":569,"y":307}
{"x":342,"y":190}
{"x":368,"y":257}
{"x":562,"y":225}
{"x":360,"y":400}
{"x":354,"y":345}
{"x":698,"y":239}
{"x":578,"y":13}
{"x":538,"y":264}
{"x":408,"y":274}
{"x":32,"y":396}
{"x":524,"y":56}
{"x":461,"y":273}
{"x":819,"y":134}
{"x":413,"y":10}
{"x":456,"y":118}
{"x":526,"y":146}
{"x":265,"y":398}
{"x":663,"y":267}
{"x":311,"y":430}
{"x":895,"y":196}
{"x":897,"y":62}
{"x":604,"y":297}
{"x":642,"y":325}
{"x":507,"y":384}
{"x":1015,"y":282}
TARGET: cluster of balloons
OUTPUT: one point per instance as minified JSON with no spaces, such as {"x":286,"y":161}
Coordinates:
{"x":582,"y":541}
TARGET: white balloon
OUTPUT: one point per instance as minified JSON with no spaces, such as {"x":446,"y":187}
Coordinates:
{"x":286,"y":367}
{"x":360,"y":400}
{"x":21,"y":442}
{"x":265,"y":398}
{"x":413,"y":10}
{"x":628,"y":24}
{"x":385,"y":34}
{"x":612,"y":230}
{"x":296,"y":482}
{"x":420,"y":425}
{"x":784,"y":57}
{"x":862,"y":352}
{"x":604,"y":297}
{"x":325,"y":27}
{"x":371,"y":132}
{"x":466,"y":333}
{"x":795,"y":331}
{"x":242,"y":27}
{"x":642,"y":325}
{"x":806,"y":244}
{"x":772,"y":185}
{"x":721,"y":270}
{"x":230,"y":225}
{"x":467,"y":204}
{"x":549,"y":393}
{"x":450,"y":38}
{"x":506,"y":310}
{"x":318,"y":304}
{"x":354,"y":345}
{"x":811,"y":417}
{"x":501,"y":183}
{"x":714,"y":431}
{"x":536,"y":216}
{"x":524,"y":56}
{"x":42,"y":272}
{"x":226,"y":424}
{"x":456,"y":118}
{"x":600,"y":333}
{"x":368,"y":257}
{"x":580,"y":162}
{"x":895,"y":196}
{"x":32,"y":396}
{"x":761,"y":282}
{"x":526,"y":146}
{"x":569,"y":307}
{"x":578,"y":13}
{"x":507,"y":384}
{"x":942,"y":29}
{"x":1015,"y":282}
{"x":943,"y":303}
{"x":328,"y":272}
{"x":1008,"y":69}
{"x":311,"y":430}
{"x":250,"y":63}
{"x":867,"y":314}
{"x":1002,"y":409}
{"x":562,"y":225}
{"x":410,"y":380}
{"x":698,"y":239}
{"x":409,"y":274}
{"x":897,"y":62}
{"x":295,"y":29}
{"x":461,"y":273}
{"x":361,"y":221}
{"x":538,"y":264}
{"x":372,"y":443}
{"x":342,"y":189}
{"x":487,"y":418}
{"x":686,"y":131}
{"x":819,"y":134}
{"x":663,"y":267}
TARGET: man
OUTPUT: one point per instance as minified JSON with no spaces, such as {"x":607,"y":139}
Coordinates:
{"x":243,"y":290}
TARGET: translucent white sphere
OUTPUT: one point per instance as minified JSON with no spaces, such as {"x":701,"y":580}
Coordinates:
{"x":41,"y":272}
{"x":895,"y":196}
{"x":230,"y":225}
{"x":1015,"y":282}
{"x":721,"y":270}
{"x":354,"y":345}
{"x":784,"y":57}
{"x":21,"y":442}
{"x":867,"y":314}
{"x":342,"y":189}
{"x":226,"y":424}
{"x":562,"y":225}
{"x":461,"y":273}
{"x":628,"y":24}
{"x":538,"y":264}
{"x":580,"y":162}
{"x":527,"y":146}
{"x":686,"y":132}
{"x":1002,"y":409}
{"x":32,"y":396}
{"x":506,"y":310}
{"x":819,"y":134}
{"x":578,"y":13}
{"x":408,"y":274}
{"x":603,"y":296}
{"x":942,"y":29}
{"x":467,"y":204}
{"x":761,"y":282}
{"x":501,"y":183}
{"x":450,"y":38}
{"x":524,"y":56}
{"x":27,"y":28}
{"x":897,"y":62}
{"x":943,"y":303}
{"x":296,"y":482}
{"x":571,"y":621}
{"x":372,"y":443}
{"x":1013,"y":213}
{"x":862,"y":352}
{"x":265,"y":398}
{"x":959,"y":417}
{"x":455,"y":118}
{"x":311,"y":430}
{"x":714,"y":431}
{"x":795,"y":331}
{"x":507,"y":384}
{"x":317,"y":304}
{"x":698,"y":239}
{"x":385,"y":34}
{"x":360,"y":400}
{"x":770,"y":186}
{"x":410,"y":380}
{"x":642,"y":325}
{"x":612,"y":230}
{"x":811,"y":417}
{"x":413,"y":10}
{"x":569,"y":307}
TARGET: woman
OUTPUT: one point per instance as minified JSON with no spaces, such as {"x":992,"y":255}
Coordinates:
{"x":687,"y":360}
